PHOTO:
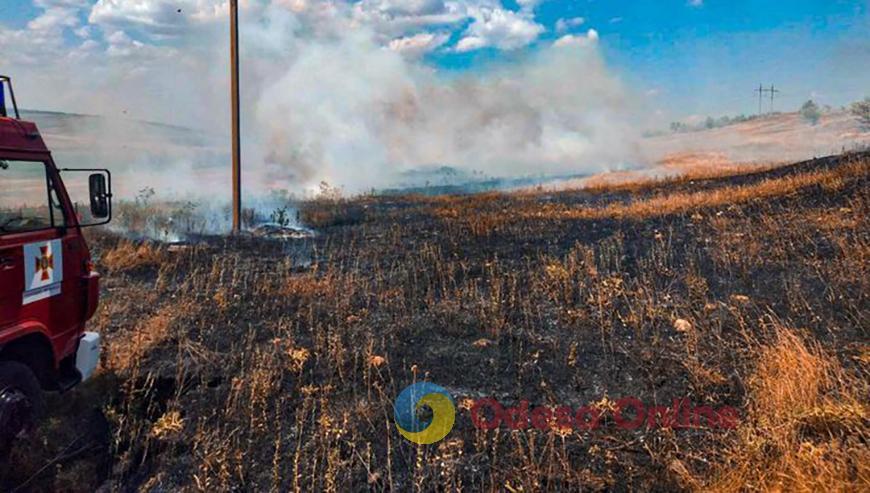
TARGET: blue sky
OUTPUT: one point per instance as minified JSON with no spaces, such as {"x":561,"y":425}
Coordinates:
{"x":16,"y":13}
{"x":687,"y":57}
{"x":714,"y":55}
{"x":708,"y":58}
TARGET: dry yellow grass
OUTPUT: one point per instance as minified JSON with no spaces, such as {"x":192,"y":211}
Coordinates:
{"x":489,"y":214}
{"x":675,"y":203}
{"x":807,"y":425}
{"x":677,"y":173}
{"x":128,"y":256}
{"x":124,"y":353}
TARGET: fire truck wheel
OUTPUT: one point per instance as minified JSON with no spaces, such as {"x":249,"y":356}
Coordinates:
{"x":21,"y":403}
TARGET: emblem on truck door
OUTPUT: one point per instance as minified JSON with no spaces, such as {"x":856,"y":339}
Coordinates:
{"x":44,"y":264}
{"x":43,"y":270}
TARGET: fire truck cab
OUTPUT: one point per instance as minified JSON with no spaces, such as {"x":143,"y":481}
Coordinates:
{"x":48,"y":286}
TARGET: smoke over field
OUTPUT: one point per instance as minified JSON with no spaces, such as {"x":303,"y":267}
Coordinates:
{"x":369,"y":113}
{"x":328,"y":95}
{"x":361,"y":93}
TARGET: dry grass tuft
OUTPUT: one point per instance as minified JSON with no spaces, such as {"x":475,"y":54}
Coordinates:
{"x":674,"y":203}
{"x":806,"y":428}
{"x":169,"y":424}
{"x":128,"y":256}
{"x":126,"y":353}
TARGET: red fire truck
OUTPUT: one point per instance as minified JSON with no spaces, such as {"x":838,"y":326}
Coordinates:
{"x":48,"y":286}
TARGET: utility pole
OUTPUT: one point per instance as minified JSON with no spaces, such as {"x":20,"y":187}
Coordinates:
{"x":773,"y":91}
{"x":760,"y":92}
{"x":234,"y":96}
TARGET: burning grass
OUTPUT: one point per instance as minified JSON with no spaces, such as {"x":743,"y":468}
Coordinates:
{"x":229,"y":365}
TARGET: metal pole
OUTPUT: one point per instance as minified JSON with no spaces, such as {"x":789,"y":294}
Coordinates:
{"x":234,"y":89}
{"x":760,"y":93}
{"x":773,"y":91}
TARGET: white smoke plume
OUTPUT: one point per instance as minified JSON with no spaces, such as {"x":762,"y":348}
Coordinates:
{"x":369,"y":113}
{"x":352,"y":112}
{"x":339,"y":92}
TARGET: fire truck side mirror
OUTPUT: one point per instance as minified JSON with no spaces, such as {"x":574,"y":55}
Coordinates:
{"x":99,"y":196}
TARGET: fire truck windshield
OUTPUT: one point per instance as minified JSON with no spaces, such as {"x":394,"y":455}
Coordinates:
{"x":26,"y":202}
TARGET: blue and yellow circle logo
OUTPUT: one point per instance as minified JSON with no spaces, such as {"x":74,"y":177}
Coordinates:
{"x":417,"y":396}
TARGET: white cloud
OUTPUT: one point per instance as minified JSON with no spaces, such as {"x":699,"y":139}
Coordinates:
{"x":696,"y":3}
{"x":121,"y":45}
{"x":590,"y":38}
{"x":42,"y":40}
{"x":528,"y":5}
{"x":500,"y":28}
{"x":390,"y":19}
{"x":491,"y":25}
{"x":55,"y":18}
{"x":564,"y":25}
{"x":160,"y":17}
{"x":57,"y":14}
{"x":470,"y":43}
{"x":404,"y":7}
{"x":418,"y":44}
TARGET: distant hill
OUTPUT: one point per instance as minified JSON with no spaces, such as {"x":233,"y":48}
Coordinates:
{"x":781,"y":137}
{"x":773,"y":139}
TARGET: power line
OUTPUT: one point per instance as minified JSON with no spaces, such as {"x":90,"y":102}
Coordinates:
{"x":761,"y":91}
{"x":772,"y":91}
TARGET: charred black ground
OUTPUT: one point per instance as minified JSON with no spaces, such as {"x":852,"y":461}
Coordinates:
{"x":255,"y":363}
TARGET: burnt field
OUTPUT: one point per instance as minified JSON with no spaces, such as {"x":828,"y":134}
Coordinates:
{"x":261,"y":364}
